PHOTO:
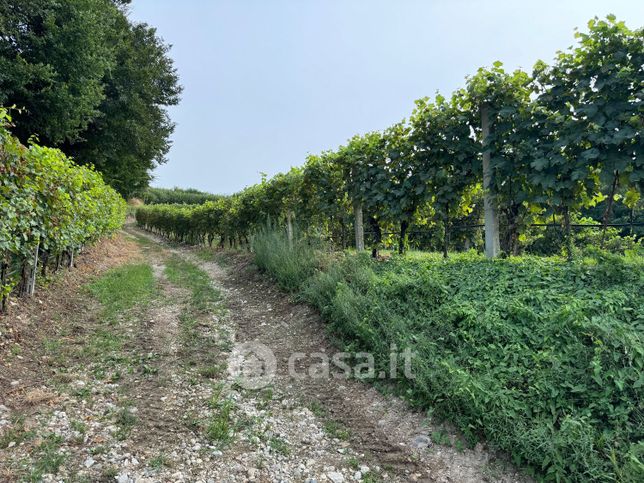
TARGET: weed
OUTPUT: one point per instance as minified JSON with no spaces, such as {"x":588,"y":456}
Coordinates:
{"x":191,"y":421}
{"x":47,"y":458}
{"x":204,"y":296}
{"x":211,"y":371}
{"x":219,"y":428}
{"x":78,"y":426}
{"x":125,"y":420}
{"x":98,"y":449}
{"x":110,"y":473}
{"x":353,"y":462}
{"x":317,"y":409}
{"x":534,"y":353}
{"x":441,"y":438}
{"x":17,"y":433}
{"x":159,"y":462}
{"x":371,"y":477}
{"x":336,"y":430}
{"x":280,"y":446}
{"x":264,"y":398}
{"x":290,"y":265}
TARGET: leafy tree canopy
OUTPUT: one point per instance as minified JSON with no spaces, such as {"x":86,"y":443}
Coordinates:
{"x":91,"y":82}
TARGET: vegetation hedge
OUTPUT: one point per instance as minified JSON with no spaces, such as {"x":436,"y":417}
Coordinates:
{"x":48,"y":205}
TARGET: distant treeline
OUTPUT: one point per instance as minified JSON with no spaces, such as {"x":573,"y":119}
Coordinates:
{"x":156,"y":196}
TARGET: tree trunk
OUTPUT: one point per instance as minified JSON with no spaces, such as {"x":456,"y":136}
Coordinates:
{"x":513,"y":229}
{"x":358,"y":225}
{"x":45,"y":260}
{"x":609,"y":209}
{"x":24,"y":280}
{"x":492,"y":243}
{"x":377,"y":236}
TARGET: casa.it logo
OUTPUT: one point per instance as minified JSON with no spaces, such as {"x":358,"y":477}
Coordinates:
{"x":252,"y":365}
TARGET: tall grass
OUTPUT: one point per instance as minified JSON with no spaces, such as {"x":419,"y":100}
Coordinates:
{"x":290,"y":265}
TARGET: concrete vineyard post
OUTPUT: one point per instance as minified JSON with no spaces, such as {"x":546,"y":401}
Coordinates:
{"x":289,"y":228}
{"x":34,"y":271}
{"x":359,"y":225}
{"x":492,"y":242}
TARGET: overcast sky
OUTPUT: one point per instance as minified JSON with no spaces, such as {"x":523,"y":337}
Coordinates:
{"x":266,"y":82}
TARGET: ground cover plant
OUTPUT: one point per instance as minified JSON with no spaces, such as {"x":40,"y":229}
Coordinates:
{"x":541,"y":357}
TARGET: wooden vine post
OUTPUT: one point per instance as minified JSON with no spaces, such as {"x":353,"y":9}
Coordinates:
{"x":492,"y":242}
{"x":3,"y":280}
{"x":358,"y":225}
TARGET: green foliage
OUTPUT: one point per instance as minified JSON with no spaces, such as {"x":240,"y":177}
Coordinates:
{"x":561,"y":141}
{"x":53,"y":57}
{"x":177,"y":196}
{"x":541,"y":357}
{"x":131,"y":136}
{"x":48,"y":201}
{"x":290,"y":265}
{"x":91,"y":82}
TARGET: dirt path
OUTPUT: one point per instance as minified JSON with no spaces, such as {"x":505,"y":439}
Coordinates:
{"x":148,"y":398}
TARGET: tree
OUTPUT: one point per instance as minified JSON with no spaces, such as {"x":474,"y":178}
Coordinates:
{"x":53,"y":58}
{"x":407,"y":189}
{"x":594,"y":92}
{"x":131,"y":135}
{"x":513,"y":133}
{"x":325,"y":202}
{"x":446,"y":155}
{"x":493,"y":95}
{"x":90,"y":82}
{"x":364,"y":161}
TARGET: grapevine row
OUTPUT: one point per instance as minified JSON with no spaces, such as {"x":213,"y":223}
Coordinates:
{"x":512,"y":149}
{"x":50,"y":208}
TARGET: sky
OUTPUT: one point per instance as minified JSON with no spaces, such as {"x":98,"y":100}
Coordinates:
{"x":267,"y":82}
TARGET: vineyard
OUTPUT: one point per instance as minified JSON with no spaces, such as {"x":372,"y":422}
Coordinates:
{"x":50,"y":208}
{"x":541,"y":356}
{"x":495,"y":236}
{"x":513,"y":152}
